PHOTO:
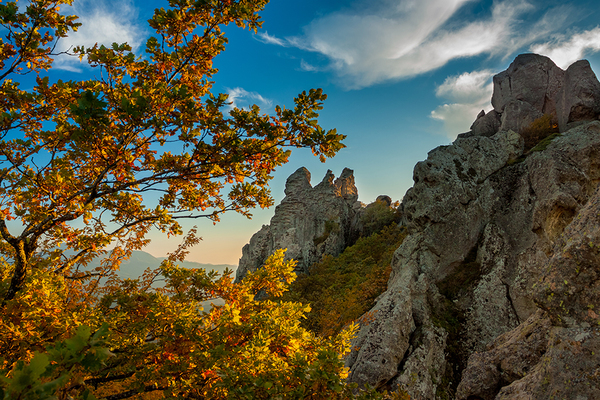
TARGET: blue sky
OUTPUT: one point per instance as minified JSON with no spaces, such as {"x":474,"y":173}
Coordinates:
{"x":402,"y":76}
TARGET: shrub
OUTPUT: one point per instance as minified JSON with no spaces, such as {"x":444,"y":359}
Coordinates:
{"x":537,"y":136}
{"x":538,"y":130}
{"x":377,"y":216}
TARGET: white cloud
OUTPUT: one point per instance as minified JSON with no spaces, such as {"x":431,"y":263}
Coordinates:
{"x":469,"y":93}
{"x":308,"y":67}
{"x":366,"y":49}
{"x":103,"y":22}
{"x":268,"y":39}
{"x":402,"y":39}
{"x":467,"y":87}
{"x":566,"y":50}
{"x":241,"y":98}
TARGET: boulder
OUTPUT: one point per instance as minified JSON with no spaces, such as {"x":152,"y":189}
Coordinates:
{"x":579,"y":98}
{"x":309,"y":222}
{"x":487,"y":124}
{"x":530,"y":78}
{"x":387,"y":200}
{"x":533,"y":86}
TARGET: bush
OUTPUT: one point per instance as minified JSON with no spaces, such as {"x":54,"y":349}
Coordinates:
{"x":162,"y":344}
{"x":377,"y":216}
{"x":537,"y":136}
{"x":538,"y":130}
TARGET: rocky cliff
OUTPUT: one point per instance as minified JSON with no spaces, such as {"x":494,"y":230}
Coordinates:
{"x":495,"y":292}
{"x":309,"y":222}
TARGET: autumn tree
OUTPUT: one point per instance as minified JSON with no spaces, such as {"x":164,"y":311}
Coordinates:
{"x":163,"y":343}
{"x":92,"y":165}
{"x":79,"y":157}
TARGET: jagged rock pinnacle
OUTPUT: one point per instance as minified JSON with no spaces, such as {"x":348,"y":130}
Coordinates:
{"x":309,"y":222}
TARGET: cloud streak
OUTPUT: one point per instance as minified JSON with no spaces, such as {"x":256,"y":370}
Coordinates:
{"x":566,"y":50}
{"x":103,"y":22}
{"x":268,"y":39}
{"x":242,"y":98}
{"x":402,"y":39}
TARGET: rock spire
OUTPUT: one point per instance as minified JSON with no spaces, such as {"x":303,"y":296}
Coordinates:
{"x":309,"y":222}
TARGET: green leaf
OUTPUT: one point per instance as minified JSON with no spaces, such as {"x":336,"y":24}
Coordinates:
{"x":86,"y":395}
{"x":38,"y":364}
{"x":77,"y":343}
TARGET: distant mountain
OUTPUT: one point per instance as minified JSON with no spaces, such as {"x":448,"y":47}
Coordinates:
{"x":140,"y":261}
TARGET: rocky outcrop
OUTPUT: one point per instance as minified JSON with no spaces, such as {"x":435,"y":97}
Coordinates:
{"x":533,"y":86}
{"x":309,"y":222}
{"x":495,"y":292}
{"x":579,"y":98}
{"x":532,"y":79}
{"x":486,"y":124}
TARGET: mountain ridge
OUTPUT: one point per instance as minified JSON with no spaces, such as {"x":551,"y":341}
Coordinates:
{"x":135,"y":266}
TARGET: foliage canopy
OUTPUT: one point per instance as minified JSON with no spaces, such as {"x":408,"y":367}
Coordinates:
{"x":78,"y":158}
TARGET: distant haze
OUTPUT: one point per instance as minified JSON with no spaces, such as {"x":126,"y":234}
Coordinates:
{"x":140,"y":261}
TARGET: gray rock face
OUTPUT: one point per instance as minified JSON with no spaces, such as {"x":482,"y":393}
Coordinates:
{"x":530,"y":78}
{"x":309,"y":222}
{"x":568,"y":369}
{"x":579,"y":98}
{"x":533,"y":86}
{"x":518,"y":115}
{"x":536,"y":361}
{"x":561,"y":343}
{"x":514,"y":355}
{"x":486,"y":124}
{"x":498,"y":280}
